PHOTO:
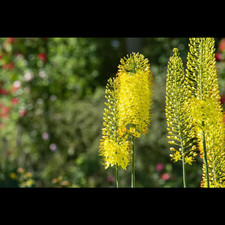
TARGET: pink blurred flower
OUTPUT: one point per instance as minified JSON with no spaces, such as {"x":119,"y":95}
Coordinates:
{"x":22,"y":112}
{"x":53,"y":147}
{"x":218,"y":56}
{"x":110,"y":178}
{"x":165,"y":176}
{"x":16,"y":85}
{"x":159,"y":167}
{"x":45,"y":136}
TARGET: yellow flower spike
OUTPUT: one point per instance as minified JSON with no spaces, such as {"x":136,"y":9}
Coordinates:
{"x":114,"y":148}
{"x":205,"y":110}
{"x":179,"y":124}
{"x":134,"y":93}
{"x":128,"y":111}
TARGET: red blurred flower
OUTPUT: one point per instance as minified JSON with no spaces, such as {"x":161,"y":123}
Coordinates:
{"x":165,"y":176}
{"x":8,"y":66}
{"x":4,"y":111}
{"x":15,"y":101}
{"x":222,"y":99}
{"x":3,"y":92}
{"x":11,"y":66}
{"x":42,"y":56}
{"x":218,"y":56}
{"x":222,"y":45}
{"x":10,"y":40}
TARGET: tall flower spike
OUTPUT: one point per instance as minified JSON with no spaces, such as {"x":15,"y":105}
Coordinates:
{"x":134,"y":81}
{"x":206,"y":110}
{"x":179,"y":126}
{"x":113,"y":149}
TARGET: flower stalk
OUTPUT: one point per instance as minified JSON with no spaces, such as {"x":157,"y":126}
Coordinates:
{"x":133,"y":164}
{"x":206,"y":111}
{"x":180,"y":130}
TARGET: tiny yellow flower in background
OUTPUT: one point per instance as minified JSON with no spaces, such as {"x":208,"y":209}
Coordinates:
{"x":29,"y":174}
{"x":20,"y":170}
{"x":13,"y":176}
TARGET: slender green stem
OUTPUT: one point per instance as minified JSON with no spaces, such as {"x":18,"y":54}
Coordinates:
{"x":132,"y":164}
{"x":182,"y":152}
{"x":183,"y":165}
{"x":117,"y":177}
{"x":205,"y":158}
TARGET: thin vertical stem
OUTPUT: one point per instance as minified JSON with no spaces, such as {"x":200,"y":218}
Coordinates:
{"x":205,"y":158}
{"x":182,"y":152}
{"x":132,"y":164}
{"x":183,"y":165}
{"x":117,"y":177}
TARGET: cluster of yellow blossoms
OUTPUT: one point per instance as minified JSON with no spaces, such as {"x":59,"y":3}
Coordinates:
{"x":128,"y":109}
{"x":113,"y":148}
{"x":206,"y":110}
{"x":134,"y":103}
{"x":194,"y":112}
{"x":180,"y":129}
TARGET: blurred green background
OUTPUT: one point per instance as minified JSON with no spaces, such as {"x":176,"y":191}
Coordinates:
{"x":51,"y":109}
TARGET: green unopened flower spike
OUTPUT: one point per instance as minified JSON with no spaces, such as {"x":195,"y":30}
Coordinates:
{"x":180,"y":132}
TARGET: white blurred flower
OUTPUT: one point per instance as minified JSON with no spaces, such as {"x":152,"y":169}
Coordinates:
{"x":43,"y":74}
{"x":45,"y":136}
{"x":53,"y":147}
{"x":17,"y":84}
{"x":53,"y":98}
{"x":28,"y":76}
